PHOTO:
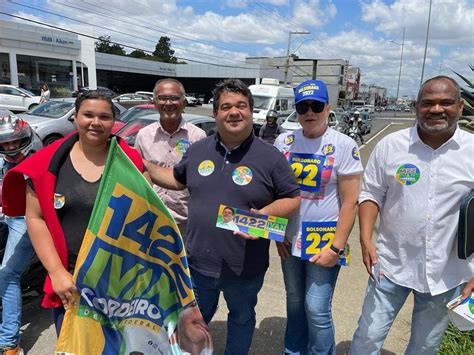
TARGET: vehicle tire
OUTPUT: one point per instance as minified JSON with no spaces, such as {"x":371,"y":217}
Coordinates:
{"x":32,"y":106}
{"x":51,"y":138}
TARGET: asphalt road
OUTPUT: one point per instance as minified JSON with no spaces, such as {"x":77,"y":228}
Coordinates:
{"x":38,"y":335}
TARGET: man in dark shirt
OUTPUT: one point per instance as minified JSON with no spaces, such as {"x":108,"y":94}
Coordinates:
{"x":270,"y":130}
{"x":235,"y":169}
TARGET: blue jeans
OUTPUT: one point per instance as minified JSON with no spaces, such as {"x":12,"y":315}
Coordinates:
{"x":381,"y":305}
{"x":18,"y":253}
{"x":309,"y":290}
{"x":241,"y":298}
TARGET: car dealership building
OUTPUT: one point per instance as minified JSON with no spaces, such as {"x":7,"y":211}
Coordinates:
{"x":32,"y":55}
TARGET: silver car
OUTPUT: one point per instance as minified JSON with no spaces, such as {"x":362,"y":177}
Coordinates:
{"x":54,"y":119}
{"x":17,"y":99}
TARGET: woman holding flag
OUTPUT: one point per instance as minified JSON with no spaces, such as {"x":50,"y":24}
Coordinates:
{"x":62,"y":183}
{"x":62,"y":187}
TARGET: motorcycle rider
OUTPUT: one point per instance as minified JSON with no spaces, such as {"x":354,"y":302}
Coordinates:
{"x":356,"y":122}
{"x":16,"y":142}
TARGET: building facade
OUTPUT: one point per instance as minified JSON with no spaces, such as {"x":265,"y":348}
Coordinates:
{"x":33,"y":55}
{"x":331,"y":71}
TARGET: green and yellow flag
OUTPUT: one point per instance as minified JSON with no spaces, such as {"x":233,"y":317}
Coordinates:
{"x":131,"y":274}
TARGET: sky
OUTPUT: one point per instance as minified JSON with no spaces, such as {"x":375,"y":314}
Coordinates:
{"x":367,"y":33}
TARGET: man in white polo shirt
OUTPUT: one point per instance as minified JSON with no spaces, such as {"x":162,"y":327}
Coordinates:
{"x":416,"y":179}
{"x":165,"y":141}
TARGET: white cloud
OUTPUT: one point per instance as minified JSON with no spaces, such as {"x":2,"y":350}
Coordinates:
{"x":312,"y":13}
{"x":452,"y":21}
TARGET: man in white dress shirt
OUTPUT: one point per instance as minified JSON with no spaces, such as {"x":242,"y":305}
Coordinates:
{"x":416,"y":179}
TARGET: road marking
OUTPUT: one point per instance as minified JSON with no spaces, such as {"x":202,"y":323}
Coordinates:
{"x":378,"y":133}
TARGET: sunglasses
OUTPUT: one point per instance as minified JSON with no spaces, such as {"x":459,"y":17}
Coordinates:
{"x":316,"y":106}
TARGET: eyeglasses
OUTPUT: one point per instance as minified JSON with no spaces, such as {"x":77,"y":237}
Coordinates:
{"x":164,"y":98}
{"x":316,"y":106}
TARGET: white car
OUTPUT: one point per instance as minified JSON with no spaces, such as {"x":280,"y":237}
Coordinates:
{"x":291,"y":122}
{"x":17,"y":99}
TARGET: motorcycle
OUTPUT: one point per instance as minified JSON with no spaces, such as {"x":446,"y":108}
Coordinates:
{"x":354,"y":133}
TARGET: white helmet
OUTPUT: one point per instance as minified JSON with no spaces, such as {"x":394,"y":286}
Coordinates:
{"x":356,"y":113}
{"x":13,"y":128}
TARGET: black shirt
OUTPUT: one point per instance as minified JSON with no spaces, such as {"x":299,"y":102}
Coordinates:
{"x":74,"y":200}
{"x":265,"y":177}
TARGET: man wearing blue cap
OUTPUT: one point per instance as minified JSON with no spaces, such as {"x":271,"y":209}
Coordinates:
{"x":327,"y":167}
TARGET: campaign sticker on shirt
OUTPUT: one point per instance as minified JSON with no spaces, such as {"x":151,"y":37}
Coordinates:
{"x":407,"y":174}
{"x":181,"y":146}
{"x":307,"y":169}
{"x":318,"y":236}
{"x":255,"y":224}
{"x":355,"y":154}
{"x":59,"y":201}
{"x":242,"y":175}
{"x":289,"y":139}
{"x":328,"y":149}
{"x":206,"y":167}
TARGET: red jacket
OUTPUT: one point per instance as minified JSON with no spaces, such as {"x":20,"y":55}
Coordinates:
{"x":42,"y":168}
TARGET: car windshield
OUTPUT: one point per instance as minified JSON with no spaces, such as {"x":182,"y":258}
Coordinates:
{"x":262,"y":102}
{"x":52,"y":109}
{"x":292,"y":117}
{"x":26,"y":91}
{"x":136,"y":112}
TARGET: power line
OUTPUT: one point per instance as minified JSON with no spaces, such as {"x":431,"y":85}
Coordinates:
{"x":123,"y":33}
{"x":154,"y":27}
{"x":273,"y":12}
{"x":125,"y":45}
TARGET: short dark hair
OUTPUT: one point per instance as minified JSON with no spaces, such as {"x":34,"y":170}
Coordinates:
{"x":228,"y":208}
{"x":231,"y":85}
{"x":169,"y":80}
{"x":441,"y":77}
{"x":94,"y":95}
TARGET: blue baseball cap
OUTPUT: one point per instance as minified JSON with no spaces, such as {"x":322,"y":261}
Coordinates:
{"x":312,"y":90}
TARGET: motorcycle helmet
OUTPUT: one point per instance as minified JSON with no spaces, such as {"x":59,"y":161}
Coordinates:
{"x":13,"y":128}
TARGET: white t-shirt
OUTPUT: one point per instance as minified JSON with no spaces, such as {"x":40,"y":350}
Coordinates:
{"x":317,"y":163}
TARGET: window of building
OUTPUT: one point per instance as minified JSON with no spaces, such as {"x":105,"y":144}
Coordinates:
{"x":34,"y":71}
{"x":5,"y":69}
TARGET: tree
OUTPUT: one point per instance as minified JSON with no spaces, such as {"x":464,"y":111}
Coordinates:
{"x":163,"y":51}
{"x":138,"y":53}
{"x":105,"y":45}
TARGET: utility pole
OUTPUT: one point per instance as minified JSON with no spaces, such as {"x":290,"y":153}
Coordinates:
{"x":401,"y":60}
{"x":287,"y":64}
{"x":426,"y":45}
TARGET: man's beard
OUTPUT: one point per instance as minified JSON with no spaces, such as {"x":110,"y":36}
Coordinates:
{"x":439,"y":127}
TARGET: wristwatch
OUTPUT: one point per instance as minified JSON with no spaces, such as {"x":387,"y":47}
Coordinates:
{"x":338,"y":251}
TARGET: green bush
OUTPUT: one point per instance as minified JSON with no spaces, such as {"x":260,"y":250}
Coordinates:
{"x":456,"y":342}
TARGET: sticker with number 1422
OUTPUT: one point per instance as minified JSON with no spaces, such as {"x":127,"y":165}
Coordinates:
{"x":318,"y":236}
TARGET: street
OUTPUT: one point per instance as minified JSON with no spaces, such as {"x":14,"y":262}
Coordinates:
{"x":38,"y":335}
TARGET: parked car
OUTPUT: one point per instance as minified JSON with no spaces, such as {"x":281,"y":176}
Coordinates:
{"x":291,"y":122}
{"x":17,"y":99}
{"x":106,"y":91}
{"x":54,"y":119}
{"x":146,"y":93}
{"x":133,"y":113}
{"x":130,"y":100}
{"x":199,"y":100}
{"x":191,"y":101}
{"x":130,"y":130}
